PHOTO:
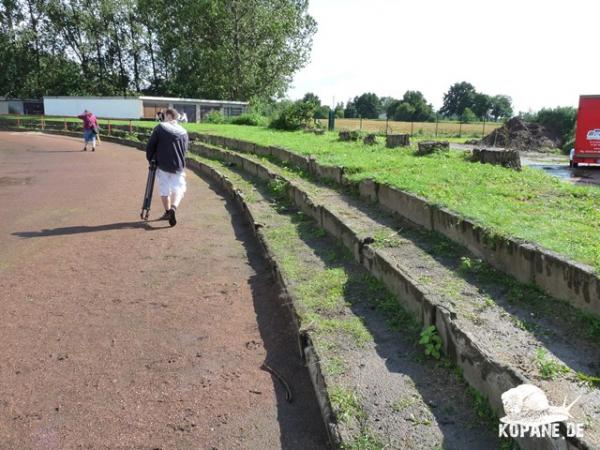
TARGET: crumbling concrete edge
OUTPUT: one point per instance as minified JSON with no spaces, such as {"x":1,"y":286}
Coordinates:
{"x":555,"y":274}
{"x":307,"y":349}
{"x":480,"y":370}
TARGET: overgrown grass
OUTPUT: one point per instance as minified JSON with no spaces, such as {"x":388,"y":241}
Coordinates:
{"x":530,"y":204}
{"x":345,"y":404}
{"x":549,"y":368}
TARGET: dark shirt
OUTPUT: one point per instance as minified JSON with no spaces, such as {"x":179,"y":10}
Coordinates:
{"x":168,"y":146}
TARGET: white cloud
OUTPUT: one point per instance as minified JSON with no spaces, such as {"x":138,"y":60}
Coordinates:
{"x":541,"y":53}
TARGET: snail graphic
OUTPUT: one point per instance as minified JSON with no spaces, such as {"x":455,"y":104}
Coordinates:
{"x":527,"y":405}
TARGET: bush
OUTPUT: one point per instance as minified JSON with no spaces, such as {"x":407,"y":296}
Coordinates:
{"x":468,"y":116}
{"x":250,"y":119}
{"x":295,"y":116}
{"x":560,"y":120}
{"x":215,"y":117}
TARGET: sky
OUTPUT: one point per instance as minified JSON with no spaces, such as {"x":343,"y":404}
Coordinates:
{"x":540,"y":53}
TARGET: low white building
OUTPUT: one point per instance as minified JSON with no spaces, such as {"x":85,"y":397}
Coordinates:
{"x":19,"y":106}
{"x":109,"y":107}
{"x":143,"y":107}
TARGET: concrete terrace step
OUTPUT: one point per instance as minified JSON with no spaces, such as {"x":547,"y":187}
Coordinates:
{"x":500,"y":332}
{"x":385,"y":393}
{"x":528,"y":262}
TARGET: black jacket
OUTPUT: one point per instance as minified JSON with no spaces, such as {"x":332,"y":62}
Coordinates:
{"x":168,"y":145}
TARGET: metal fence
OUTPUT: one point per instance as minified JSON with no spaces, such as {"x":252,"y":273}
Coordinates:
{"x":438,"y":128}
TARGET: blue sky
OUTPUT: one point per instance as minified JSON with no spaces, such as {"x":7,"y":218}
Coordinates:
{"x":541,"y":53}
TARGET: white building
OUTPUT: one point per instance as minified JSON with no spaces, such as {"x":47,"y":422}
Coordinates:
{"x":142,"y":107}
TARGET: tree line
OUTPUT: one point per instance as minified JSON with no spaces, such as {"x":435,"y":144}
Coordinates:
{"x":462,"y":102}
{"x":225,"y":49}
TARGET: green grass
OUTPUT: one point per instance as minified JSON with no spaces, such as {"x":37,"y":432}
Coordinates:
{"x":549,"y":368}
{"x":365,"y":441}
{"x":345,"y":404}
{"x":589,"y":380}
{"x":530,"y":204}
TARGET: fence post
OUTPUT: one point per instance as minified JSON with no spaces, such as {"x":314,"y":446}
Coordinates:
{"x":42,"y":122}
{"x":360,"y":126}
{"x":436,"y":124}
{"x":18,"y":121}
{"x":460,"y":129}
{"x":109,"y":131}
{"x":66,"y":127}
{"x":483,"y":131}
{"x":130,"y":127}
{"x":387,"y":119}
{"x":412,"y":127}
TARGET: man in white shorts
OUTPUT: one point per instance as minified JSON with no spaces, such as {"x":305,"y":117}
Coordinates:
{"x":168,"y":146}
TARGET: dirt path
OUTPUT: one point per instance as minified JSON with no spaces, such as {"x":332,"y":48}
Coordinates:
{"x":117,"y":334}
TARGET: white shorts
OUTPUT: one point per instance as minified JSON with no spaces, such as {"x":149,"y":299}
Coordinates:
{"x":171,"y":183}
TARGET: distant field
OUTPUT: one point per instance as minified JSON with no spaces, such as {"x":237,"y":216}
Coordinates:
{"x":426,"y":129}
{"x":415,"y":128}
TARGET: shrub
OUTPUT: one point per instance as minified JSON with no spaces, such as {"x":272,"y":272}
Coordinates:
{"x":468,"y":116}
{"x":294,"y":116}
{"x":215,"y":117}
{"x":250,"y":119}
{"x":560,"y":120}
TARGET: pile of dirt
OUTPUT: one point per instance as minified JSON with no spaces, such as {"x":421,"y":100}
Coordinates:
{"x":525,"y":136}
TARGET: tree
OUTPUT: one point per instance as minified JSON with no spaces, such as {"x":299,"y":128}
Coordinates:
{"x":468,"y":116}
{"x":501,"y":107}
{"x":412,"y":108}
{"x":294,"y":116}
{"x":560,"y":120}
{"x":309,"y":97}
{"x":385,"y":102}
{"x":459,"y":96}
{"x":259,"y":45}
{"x":367,"y":106}
{"x":482,"y":105}
{"x":400,"y":110}
{"x":156,"y":46}
{"x":350,"y":112}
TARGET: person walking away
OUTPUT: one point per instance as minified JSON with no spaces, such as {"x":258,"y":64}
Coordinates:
{"x":168,"y":145}
{"x":90,"y":129}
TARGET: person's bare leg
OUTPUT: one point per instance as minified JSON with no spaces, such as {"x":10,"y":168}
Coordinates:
{"x":176,"y":198}
{"x":166,"y":201}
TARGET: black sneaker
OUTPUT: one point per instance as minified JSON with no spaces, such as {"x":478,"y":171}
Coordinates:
{"x":172,"y":219}
{"x":165,"y":216}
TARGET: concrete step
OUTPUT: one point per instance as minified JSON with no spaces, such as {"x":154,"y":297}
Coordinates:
{"x":384,"y":392}
{"x":500,"y":332}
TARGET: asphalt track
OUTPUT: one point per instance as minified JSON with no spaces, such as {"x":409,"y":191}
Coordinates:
{"x":115,"y":333}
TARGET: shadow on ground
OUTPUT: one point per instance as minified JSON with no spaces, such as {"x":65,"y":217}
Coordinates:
{"x":300,"y":420}
{"x":445,"y":395}
{"x":88,"y":229}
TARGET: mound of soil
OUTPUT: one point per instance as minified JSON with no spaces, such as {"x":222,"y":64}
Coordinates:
{"x":525,"y":136}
